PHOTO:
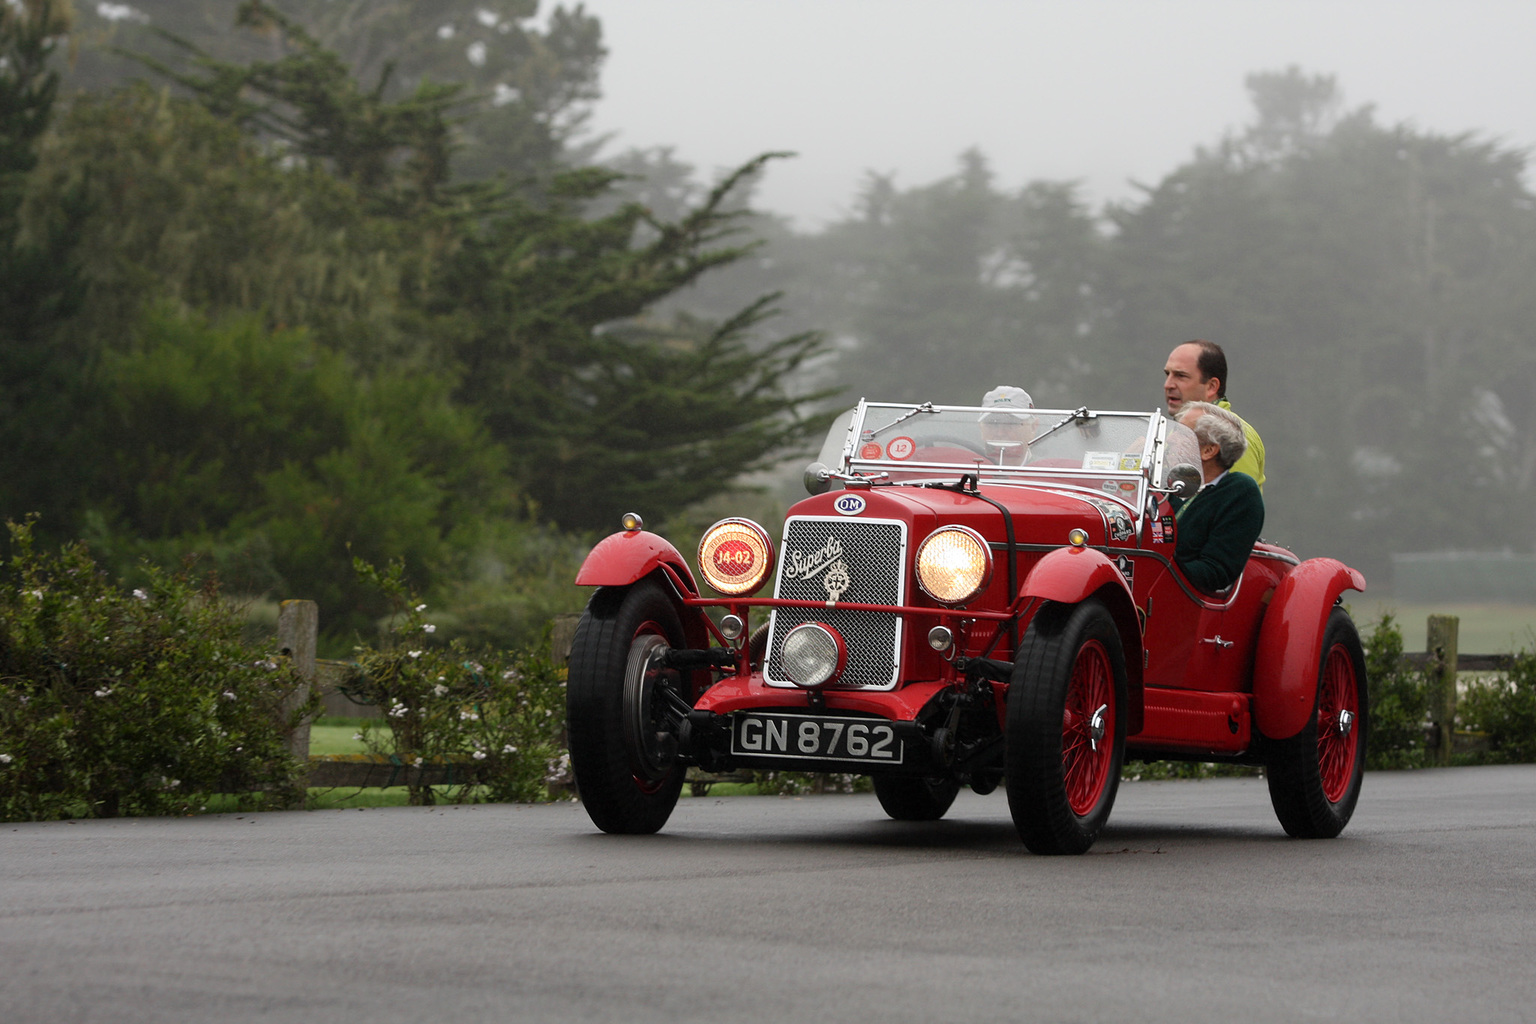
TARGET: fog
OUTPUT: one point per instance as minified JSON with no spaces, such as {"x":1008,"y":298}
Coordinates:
{"x":1106,"y":92}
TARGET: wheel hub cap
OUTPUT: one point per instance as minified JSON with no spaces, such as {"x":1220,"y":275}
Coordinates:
{"x":1346,"y":722}
{"x":1096,"y":727}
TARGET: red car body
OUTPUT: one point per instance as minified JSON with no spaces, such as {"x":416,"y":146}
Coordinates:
{"x":977,"y":625}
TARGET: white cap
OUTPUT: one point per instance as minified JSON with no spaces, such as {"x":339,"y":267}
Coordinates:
{"x":1005,"y":396}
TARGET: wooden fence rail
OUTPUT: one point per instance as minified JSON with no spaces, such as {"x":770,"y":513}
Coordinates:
{"x":298,"y":627}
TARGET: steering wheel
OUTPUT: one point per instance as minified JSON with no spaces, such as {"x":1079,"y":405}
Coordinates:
{"x":936,"y":440}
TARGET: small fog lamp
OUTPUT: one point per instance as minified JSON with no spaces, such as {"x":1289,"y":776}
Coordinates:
{"x":732,"y":627}
{"x":940,"y":638}
{"x":814,"y":655}
{"x":1078,"y":537}
{"x":632,"y":522}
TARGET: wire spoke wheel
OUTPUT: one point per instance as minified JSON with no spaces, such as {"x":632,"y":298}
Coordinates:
{"x":1338,"y":711}
{"x":1065,"y":727}
{"x":1314,"y":777}
{"x":1085,"y":756}
{"x":622,"y":739}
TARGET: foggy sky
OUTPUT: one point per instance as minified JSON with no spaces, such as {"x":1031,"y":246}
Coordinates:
{"x":1103,"y":91}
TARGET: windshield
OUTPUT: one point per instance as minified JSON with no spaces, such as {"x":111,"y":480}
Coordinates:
{"x":1117,"y":453}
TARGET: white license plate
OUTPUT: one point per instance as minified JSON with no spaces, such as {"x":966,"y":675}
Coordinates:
{"x":819,"y":739}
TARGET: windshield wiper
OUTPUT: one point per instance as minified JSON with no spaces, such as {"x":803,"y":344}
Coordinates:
{"x":915,"y":410}
{"x":1080,"y":416}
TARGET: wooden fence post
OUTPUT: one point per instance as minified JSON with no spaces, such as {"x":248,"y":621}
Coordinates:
{"x":1440,"y":642}
{"x":298,"y":628}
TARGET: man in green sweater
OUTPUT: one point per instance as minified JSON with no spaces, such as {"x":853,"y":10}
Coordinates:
{"x":1196,"y":371}
{"x":1218,"y":526}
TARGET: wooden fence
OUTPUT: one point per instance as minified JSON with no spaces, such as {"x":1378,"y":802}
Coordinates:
{"x":298,"y":626}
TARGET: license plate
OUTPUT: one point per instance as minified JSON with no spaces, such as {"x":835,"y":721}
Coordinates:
{"x":818,"y":739}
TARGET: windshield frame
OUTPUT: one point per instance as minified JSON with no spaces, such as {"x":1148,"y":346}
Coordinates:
{"x":1151,"y":459}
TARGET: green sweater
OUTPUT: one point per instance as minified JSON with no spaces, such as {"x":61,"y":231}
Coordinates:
{"x":1216,"y":531}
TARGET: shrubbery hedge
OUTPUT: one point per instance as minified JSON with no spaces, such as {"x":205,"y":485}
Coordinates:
{"x":145,"y":701}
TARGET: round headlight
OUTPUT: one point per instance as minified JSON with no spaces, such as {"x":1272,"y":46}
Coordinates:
{"x":954,"y":565}
{"x":735,"y":556}
{"x":814,"y":655}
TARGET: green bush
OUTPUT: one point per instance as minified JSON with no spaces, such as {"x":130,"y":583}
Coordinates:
{"x":114,"y":702}
{"x":1400,"y":699}
{"x":497,"y":716}
{"x":1505,"y":710}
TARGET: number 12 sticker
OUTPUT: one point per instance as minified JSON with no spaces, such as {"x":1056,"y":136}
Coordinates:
{"x":901,"y":448}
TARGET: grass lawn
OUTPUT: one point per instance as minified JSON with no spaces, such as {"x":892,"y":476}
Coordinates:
{"x":331,"y":735}
{"x":1484,"y":628}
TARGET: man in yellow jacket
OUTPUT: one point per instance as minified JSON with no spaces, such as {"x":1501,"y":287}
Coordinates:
{"x":1196,"y":371}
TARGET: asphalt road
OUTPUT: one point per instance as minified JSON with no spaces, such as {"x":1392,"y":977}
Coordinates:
{"x":1192,"y":907}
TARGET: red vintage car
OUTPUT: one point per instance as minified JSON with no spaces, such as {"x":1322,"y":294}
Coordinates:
{"x":954,"y":609}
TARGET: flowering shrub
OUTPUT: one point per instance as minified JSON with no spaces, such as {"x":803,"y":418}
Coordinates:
{"x":114,"y":702}
{"x":1504,"y":708}
{"x":498,"y":717}
{"x":1399,"y":701}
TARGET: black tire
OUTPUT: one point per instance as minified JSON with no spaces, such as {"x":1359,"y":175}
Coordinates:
{"x":908,"y":799}
{"x":1061,"y":777}
{"x":1314,"y":777}
{"x":622,"y":751}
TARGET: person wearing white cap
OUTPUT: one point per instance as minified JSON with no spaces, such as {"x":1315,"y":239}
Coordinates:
{"x":1006,"y":428}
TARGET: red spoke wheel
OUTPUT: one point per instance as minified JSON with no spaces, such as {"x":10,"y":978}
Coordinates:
{"x":622,"y":740}
{"x":1066,"y":727}
{"x":1314,"y":776}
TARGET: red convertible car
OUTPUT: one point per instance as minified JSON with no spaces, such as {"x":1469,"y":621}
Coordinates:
{"x":950,"y":608}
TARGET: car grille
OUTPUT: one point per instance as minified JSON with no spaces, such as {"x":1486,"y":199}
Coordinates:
{"x":863,"y":560}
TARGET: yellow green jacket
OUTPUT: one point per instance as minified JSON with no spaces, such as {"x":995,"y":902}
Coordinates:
{"x":1252,"y":462}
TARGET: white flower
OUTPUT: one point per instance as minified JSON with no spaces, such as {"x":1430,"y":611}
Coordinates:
{"x":229,"y":695}
{"x":268,"y":664}
{"x":427,"y":627}
{"x":421,"y":607}
{"x":105,"y":691}
{"x":417,"y":763}
{"x":39,"y":595}
{"x":509,"y":749}
{"x":413,"y":654}
{"x":399,"y":710}
{"x":141,"y":595}
{"x":511,"y":675}
{"x":357,"y":736}
{"x":479,"y":755}
{"x":5,"y":758}
{"x":468,"y":716}
{"x":439,"y":689}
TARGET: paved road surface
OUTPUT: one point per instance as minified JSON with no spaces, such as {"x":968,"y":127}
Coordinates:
{"x":1192,"y":907}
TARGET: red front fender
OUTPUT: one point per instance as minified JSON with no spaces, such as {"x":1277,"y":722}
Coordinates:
{"x":1290,"y":649}
{"x":1072,"y":575}
{"x":622,"y":558}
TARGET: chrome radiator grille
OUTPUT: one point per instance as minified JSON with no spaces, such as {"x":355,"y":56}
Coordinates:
{"x":857,"y":560}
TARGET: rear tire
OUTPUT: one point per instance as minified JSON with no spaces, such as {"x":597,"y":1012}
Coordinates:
{"x":1314,"y":777}
{"x":908,"y":799}
{"x":1066,"y":727}
{"x":623,"y":746}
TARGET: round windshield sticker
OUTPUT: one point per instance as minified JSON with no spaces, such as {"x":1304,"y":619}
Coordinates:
{"x":850,"y":504}
{"x":901,"y":448}
{"x":869,"y":451}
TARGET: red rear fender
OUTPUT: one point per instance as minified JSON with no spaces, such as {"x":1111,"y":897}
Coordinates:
{"x":1290,"y":651}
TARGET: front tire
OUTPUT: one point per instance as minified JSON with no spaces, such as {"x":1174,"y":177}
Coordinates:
{"x":1314,"y":777}
{"x":908,"y":799}
{"x":623,"y":744}
{"x":1066,"y":727}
